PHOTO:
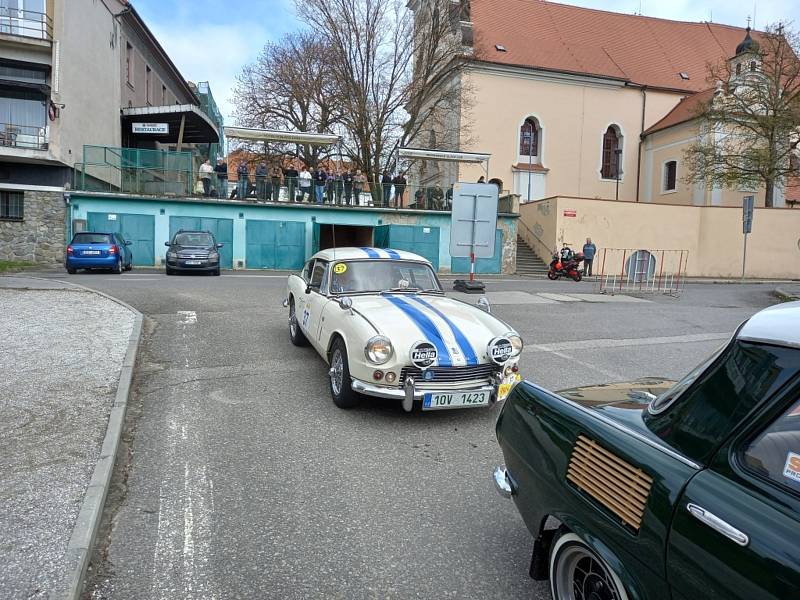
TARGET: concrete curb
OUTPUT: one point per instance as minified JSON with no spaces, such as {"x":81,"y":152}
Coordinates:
{"x":782,"y":293}
{"x":81,"y":543}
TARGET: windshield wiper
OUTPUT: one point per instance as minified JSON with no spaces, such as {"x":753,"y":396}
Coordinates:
{"x":401,"y":289}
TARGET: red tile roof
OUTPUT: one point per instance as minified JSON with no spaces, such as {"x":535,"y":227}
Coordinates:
{"x":684,"y":111}
{"x":641,"y":50}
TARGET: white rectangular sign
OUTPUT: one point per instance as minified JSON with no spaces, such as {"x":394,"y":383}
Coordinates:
{"x":159,"y":128}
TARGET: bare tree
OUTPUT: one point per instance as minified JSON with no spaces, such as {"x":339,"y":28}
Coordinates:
{"x":396,"y":70}
{"x":289,"y":87}
{"x":749,"y":128}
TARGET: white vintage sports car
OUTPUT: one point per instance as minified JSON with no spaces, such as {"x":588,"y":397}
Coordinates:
{"x":381,"y":321}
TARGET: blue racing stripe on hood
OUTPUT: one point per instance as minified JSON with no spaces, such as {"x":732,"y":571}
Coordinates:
{"x":392,"y":253}
{"x":426,"y":326}
{"x":461,"y":339}
{"x":371,"y":252}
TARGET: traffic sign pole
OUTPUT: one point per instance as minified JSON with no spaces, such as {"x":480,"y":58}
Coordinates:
{"x":747,"y":225}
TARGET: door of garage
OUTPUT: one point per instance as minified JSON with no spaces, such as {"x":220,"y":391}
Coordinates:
{"x":275,"y":244}
{"x":221,"y":228}
{"x":139,"y":229}
{"x":419,"y":239}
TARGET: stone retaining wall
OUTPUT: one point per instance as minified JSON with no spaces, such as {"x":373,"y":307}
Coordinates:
{"x":39,"y":237}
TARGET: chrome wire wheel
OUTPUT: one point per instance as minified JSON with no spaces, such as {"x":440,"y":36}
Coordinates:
{"x":337,"y":371}
{"x":577,"y":573}
{"x":292,"y":320}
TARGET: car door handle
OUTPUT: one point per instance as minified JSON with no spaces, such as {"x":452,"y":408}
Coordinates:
{"x":717,"y":524}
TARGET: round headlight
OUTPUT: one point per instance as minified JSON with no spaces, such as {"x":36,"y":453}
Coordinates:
{"x":378,"y":350}
{"x":516,"y":343}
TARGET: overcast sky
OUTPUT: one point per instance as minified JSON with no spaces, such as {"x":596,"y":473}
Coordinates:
{"x":210,"y":40}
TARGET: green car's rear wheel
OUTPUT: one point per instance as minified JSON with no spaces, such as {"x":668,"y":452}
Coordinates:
{"x":577,"y":573}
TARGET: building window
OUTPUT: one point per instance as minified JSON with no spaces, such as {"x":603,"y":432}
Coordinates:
{"x":148,"y":77}
{"x":612,"y":153}
{"x":129,"y":63}
{"x":23,"y":118}
{"x":670,"y":174}
{"x":529,"y":138}
{"x":11,"y":205}
{"x":163,"y":95}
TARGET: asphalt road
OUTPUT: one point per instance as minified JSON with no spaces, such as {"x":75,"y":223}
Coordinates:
{"x":244,"y":480}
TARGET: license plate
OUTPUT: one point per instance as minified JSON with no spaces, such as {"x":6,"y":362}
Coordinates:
{"x":194,"y":262}
{"x":440,"y":400}
{"x":91,"y":252}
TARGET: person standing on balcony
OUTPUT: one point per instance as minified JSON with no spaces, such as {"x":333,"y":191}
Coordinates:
{"x":305,"y":184}
{"x":320,"y":178}
{"x":261,"y":182}
{"x":275,"y":175}
{"x":359,"y":181}
{"x":589,"y":250}
{"x":205,"y":176}
{"x":347,"y":184}
{"x":399,"y":189}
{"x":243,"y":182}
{"x":290,"y":177}
{"x":386,"y":184}
{"x":221,"y":171}
{"x":338,"y":180}
{"x":330,"y":187}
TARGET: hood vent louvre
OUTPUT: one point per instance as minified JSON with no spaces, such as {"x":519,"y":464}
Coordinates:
{"x":617,"y":485}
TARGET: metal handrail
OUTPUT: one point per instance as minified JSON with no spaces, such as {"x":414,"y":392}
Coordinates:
{"x":26,"y":23}
{"x":548,"y":253}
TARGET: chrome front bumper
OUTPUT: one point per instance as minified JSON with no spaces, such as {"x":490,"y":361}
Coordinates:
{"x":408,"y":393}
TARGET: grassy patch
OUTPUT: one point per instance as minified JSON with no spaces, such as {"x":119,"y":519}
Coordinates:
{"x":15,"y":265}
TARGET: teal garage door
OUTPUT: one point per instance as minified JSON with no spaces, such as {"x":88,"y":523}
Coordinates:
{"x":275,"y":244}
{"x":420,"y":239}
{"x":482,"y":265}
{"x":221,"y":228}
{"x":139,"y":229}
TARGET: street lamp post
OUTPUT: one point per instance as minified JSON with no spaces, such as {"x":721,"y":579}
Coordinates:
{"x":618,"y":153}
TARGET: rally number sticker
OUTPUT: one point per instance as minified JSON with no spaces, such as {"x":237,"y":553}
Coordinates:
{"x":306,"y":315}
{"x":340,"y":268}
{"x":791,"y":470}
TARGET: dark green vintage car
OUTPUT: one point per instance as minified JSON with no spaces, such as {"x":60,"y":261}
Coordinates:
{"x":651,"y":490}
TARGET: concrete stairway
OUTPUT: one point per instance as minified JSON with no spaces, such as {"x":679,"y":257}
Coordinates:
{"x":528,"y":264}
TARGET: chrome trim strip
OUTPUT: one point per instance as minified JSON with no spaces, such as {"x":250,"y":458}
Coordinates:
{"x":718,"y":525}
{"x":620,"y":427}
{"x":502,"y":482}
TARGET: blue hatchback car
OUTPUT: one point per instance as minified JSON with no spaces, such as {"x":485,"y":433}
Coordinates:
{"x":94,"y":250}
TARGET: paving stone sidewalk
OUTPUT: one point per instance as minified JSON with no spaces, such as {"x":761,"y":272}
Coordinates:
{"x":61,"y":352}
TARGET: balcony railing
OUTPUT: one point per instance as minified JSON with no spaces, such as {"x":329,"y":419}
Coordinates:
{"x":23,"y":136}
{"x":26,"y":23}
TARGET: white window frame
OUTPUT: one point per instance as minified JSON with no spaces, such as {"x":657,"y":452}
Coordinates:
{"x":621,"y":139}
{"x":536,"y":159}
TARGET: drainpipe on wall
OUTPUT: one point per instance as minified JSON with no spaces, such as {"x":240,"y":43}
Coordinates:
{"x":641,"y":140}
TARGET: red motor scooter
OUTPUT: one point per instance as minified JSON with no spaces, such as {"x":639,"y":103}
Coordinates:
{"x":566,"y":268}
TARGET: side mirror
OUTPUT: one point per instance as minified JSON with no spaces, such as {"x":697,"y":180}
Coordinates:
{"x":167,"y":244}
{"x":220,"y":245}
{"x":129,"y":243}
{"x":483,"y":304}
{"x":346,"y":303}
{"x":308,"y":289}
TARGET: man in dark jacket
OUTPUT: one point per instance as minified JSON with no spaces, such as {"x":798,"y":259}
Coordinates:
{"x":320,"y":178}
{"x":221,"y":173}
{"x":290,"y":177}
{"x":243,"y":182}
{"x":589,"y":251}
{"x":261,"y":182}
{"x":399,"y":189}
{"x":347,"y":180}
{"x":386,"y":184}
{"x":275,"y":180}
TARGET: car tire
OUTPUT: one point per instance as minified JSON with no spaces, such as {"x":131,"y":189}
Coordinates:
{"x":130,"y":266}
{"x":170,"y":271}
{"x":118,"y":268}
{"x":552,"y":276}
{"x":295,"y":334}
{"x":216,"y":272}
{"x":339,"y":377}
{"x":71,"y":270}
{"x":570,"y":560}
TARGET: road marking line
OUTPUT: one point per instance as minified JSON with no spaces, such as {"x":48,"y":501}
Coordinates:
{"x":187,"y":317}
{"x":627,"y":342}
{"x":560,"y":297}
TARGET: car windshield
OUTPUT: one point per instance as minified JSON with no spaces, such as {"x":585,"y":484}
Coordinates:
{"x":194,"y":239}
{"x":382,"y":276}
{"x":91,"y":238}
{"x":663,"y":401}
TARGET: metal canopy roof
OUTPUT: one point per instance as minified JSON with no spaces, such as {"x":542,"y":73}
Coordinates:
{"x":445,"y":155}
{"x":198,"y":127}
{"x":272,"y":135}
